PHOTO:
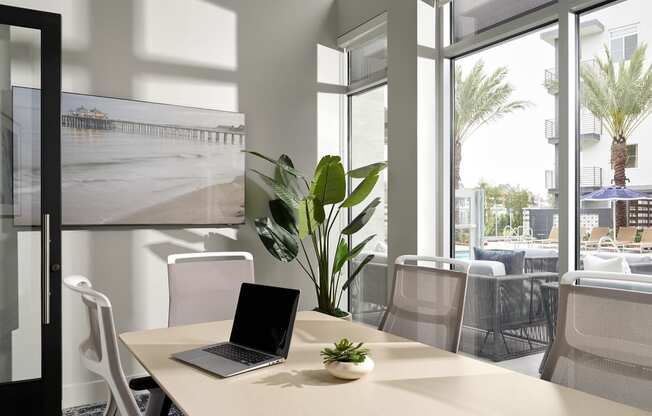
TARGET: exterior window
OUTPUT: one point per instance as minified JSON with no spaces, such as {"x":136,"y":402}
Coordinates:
{"x":367,"y":143}
{"x":368,"y":60}
{"x":632,"y":156}
{"x":470,"y":17}
{"x":618,"y":100}
{"x":506,"y":192}
{"x":624,"y":42}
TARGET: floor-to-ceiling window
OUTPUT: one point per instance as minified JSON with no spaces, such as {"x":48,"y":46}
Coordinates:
{"x":504,"y":142}
{"x":614,"y":175}
{"x":367,"y":144}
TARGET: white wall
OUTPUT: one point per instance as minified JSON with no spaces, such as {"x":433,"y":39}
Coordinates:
{"x":254,"y":56}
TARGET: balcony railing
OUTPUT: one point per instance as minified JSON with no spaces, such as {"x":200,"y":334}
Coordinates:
{"x":551,"y":79}
{"x":590,"y":127}
{"x":590,"y":177}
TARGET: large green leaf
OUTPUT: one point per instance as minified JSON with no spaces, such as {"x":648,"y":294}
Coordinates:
{"x":289,"y":197}
{"x":341,"y":256}
{"x":283,"y":215}
{"x":369,"y":170}
{"x":329,"y":183}
{"x":310,"y":213}
{"x":362,"y":218}
{"x":277,"y":240}
{"x":361,"y":192}
{"x":286,"y":179}
{"x":359,"y":247}
{"x":357,"y":271}
{"x":279,"y":163}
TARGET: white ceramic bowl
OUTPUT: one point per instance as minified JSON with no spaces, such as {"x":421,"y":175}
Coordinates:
{"x":351,"y":371}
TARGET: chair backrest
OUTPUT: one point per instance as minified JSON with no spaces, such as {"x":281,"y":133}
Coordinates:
{"x":99,"y":352}
{"x":427,"y":302}
{"x":626,"y":234}
{"x":603,"y":342}
{"x":205,"y":286}
{"x":598,"y":232}
{"x":646,"y":237}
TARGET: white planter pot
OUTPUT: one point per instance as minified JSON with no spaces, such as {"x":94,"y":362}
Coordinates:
{"x":347,"y":317}
{"x":350,"y":371}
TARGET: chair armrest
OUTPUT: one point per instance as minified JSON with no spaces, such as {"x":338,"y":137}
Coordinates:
{"x":547,"y":276}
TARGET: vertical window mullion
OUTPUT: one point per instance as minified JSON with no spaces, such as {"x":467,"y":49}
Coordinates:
{"x":568,"y":50}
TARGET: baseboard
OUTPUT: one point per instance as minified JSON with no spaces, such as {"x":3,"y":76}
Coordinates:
{"x":84,"y":393}
{"x":79,"y":394}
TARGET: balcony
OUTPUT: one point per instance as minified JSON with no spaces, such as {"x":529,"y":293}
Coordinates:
{"x":551,"y":80}
{"x":590,"y":128}
{"x":590,"y":177}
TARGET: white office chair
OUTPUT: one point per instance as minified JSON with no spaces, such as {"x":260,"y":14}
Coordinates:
{"x":427,"y":303}
{"x":100,"y":353}
{"x":603,"y":341}
{"x":204,"y":287}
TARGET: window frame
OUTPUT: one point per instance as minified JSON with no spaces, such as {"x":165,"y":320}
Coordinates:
{"x":566,"y":14}
{"x":622,"y":37}
{"x":629,"y":164}
{"x":358,"y":37}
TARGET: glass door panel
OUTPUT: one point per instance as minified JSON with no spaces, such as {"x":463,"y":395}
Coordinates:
{"x":20,"y":249}
{"x":30,"y":332}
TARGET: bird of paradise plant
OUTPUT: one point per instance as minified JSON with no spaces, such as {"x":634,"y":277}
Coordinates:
{"x":304,"y":214}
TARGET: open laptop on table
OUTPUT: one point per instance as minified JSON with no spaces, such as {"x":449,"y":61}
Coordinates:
{"x":260,"y":336}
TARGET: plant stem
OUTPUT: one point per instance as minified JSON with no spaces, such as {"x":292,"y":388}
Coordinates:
{"x":305,"y":253}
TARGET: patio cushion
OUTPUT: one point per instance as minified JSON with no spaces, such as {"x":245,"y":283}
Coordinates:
{"x":487,"y":268}
{"x":513,"y":260}
{"x":632,"y":258}
{"x":598,"y":264}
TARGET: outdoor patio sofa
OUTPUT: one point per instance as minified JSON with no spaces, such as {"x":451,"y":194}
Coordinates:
{"x":504,"y":316}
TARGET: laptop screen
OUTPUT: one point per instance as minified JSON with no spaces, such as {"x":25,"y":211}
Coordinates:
{"x":264,"y":318}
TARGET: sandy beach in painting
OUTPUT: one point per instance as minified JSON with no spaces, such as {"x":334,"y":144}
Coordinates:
{"x":215,"y":203}
{"x":172,"y":169}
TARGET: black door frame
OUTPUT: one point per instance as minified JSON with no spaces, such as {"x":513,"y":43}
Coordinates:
{"x":44,"y":396}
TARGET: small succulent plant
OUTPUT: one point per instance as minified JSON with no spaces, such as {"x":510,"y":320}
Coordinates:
{"x":346,"y":352}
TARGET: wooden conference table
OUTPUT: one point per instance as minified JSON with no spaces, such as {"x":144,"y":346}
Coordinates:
{"x":409,"y":379}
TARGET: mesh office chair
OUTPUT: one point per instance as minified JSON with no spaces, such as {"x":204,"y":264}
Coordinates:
{"x":204,"y":287}
{"x":427,"y":302}
{"x":603,"y":342}
{"x":100,"y":353}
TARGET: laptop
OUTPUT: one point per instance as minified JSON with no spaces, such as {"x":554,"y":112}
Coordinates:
{"x":260,"y":336}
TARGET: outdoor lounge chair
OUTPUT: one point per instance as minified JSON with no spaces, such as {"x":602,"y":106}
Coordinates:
{"x":594,"y":238}
{"x":644,"y":244}
{"x":552,"y":240}
{"x":625,"y":235}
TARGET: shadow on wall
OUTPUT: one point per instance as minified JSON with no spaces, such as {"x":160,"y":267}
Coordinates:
{"x":274,"y":82}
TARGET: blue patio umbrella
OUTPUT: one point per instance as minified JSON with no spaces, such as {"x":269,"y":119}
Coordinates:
{"x":614,"y":193}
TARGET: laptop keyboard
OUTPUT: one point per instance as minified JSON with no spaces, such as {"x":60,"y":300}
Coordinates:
{"x":239,"y":354}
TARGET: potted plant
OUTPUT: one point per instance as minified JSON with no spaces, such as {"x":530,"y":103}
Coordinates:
{"x":303,"y":219}
{"x":347,"y":360}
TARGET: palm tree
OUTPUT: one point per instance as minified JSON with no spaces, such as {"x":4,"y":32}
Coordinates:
{"x":479,"y":99}
{"x":620,"y":95}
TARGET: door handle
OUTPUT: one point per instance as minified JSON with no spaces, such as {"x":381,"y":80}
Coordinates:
{"x":45,"y":270}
